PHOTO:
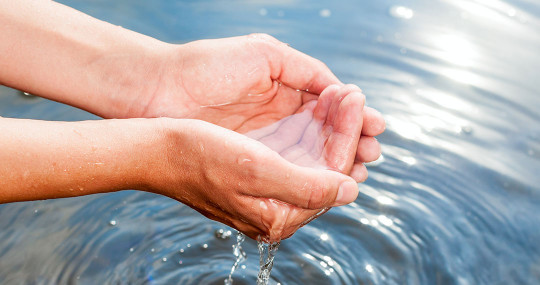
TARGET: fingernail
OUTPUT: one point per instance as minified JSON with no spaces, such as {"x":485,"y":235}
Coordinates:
{"x":347,"y":193}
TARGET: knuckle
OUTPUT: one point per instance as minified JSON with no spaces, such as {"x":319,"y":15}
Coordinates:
{"x":318,"y":197}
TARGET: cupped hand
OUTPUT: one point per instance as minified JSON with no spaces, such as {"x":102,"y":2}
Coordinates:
{"x":249,"y":82}
{"x":239,"y":181}
{"x":325,"y":133}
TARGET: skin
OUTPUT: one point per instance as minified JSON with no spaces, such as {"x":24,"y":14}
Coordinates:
{"x":199,"y":98}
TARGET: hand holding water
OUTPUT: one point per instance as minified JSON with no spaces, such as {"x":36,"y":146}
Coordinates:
{"x":271,"y":187}
{"x":325,"y":133}
{"x":216,"y":89}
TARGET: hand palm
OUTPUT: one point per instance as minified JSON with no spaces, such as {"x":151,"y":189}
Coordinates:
{"x":236,"y":83}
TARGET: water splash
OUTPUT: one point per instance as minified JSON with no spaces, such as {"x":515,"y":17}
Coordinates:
{"x":240,"y":255}
{"x":267,"y":252}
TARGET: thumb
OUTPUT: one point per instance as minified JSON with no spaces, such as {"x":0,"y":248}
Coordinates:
{"x":310,"y":188}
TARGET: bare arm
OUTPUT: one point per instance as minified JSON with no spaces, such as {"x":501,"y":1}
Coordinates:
{"x":186,"y":160}
{"x":42,"y":160}
{"x":56,"y":52}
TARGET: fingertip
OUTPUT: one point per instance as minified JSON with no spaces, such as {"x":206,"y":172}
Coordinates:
{"x":369,"y":149}
{"x":347,"y":193}
{"x":359,"y":172}
{"x":374,"y":123}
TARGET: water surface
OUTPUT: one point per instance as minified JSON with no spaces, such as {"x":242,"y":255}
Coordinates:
{"x":455,"y":200}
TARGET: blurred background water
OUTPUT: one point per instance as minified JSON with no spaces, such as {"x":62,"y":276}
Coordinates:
{"x":455,"y":199}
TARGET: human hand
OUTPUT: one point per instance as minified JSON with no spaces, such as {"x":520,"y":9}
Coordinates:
{"x":239,"y":181}
{"x":324,"y":134}
{"x":245,"y":83}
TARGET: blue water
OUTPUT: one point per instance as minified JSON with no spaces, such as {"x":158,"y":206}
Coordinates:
{"x":455,"y":200}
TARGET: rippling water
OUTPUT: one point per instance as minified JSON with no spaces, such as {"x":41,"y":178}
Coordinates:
{"x":456,"y":199}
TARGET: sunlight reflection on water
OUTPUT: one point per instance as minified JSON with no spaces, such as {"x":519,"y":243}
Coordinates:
{"x":453,"y":200}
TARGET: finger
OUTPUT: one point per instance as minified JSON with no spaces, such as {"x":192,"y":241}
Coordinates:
{"x":336,"y":101}
{"x":324,"y":102}
{"x":299,"y":218}
{"x":359,"y":172}
{"x":368,"y":150}
{"x":303,"y":187}
{"x":309,"y":149}
{"x":374,"y":123}
{"x":300,"y":71}
{"x":340,"y":149}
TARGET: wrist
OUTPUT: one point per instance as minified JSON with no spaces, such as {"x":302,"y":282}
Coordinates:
{"x":169,"y":162}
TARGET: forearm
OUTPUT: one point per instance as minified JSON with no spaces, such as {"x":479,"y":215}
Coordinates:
{"x":43,"y":160}
{"x":59,"y":53}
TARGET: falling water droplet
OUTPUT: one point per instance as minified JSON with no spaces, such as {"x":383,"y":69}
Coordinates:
{"x":243,"y":158}
{"x":223,"y":234}
{"x":267,"y":252}
{"x":240,"y":255}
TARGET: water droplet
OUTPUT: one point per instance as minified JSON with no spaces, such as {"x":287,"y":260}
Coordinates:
{"x":243,"y":158}
{"x":267,"y":252}
{"x":240,"y":255}
{"x":188,"y":245}
{"x":112,"y":223}
{"x":205,"y":246}
{"x":164,"y":259}
{"x":201,"y":146}
{"x":263,"y":12}
{"x":325,"y":13}
{"x":180,"y":262}
{"x":223,"y":234}
{"x":511,"y":12}
{"x":131,"y":249}
{"x":152,"y":250}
